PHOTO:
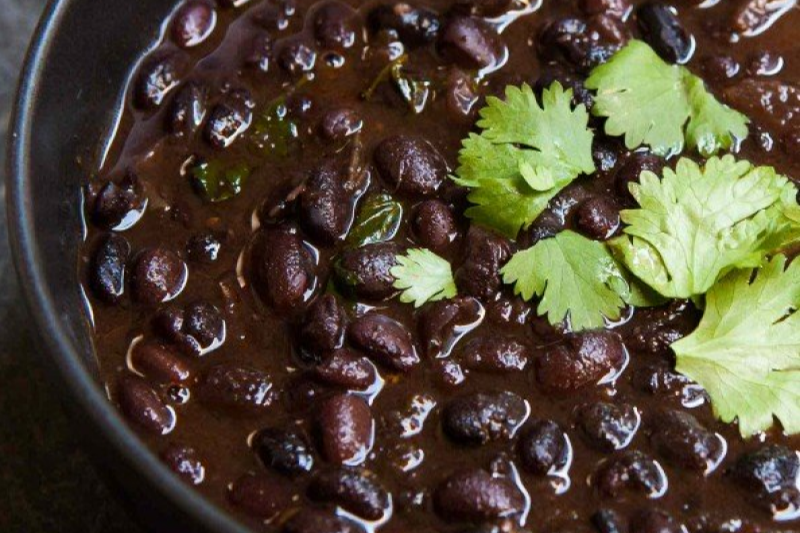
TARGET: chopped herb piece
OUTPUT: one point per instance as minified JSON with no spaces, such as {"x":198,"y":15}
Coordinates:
{"x":415,"y":92}
{"x":696,"y":224}
{"x":423,"y":277}
{"x":377,"y":221}
{"x":525,"y":154}
{"x":576,"y":278}
{"x":273,"y":131}
{"x":650,"y":101}
{"x":746,"y":350}
{"x":218,"y":182}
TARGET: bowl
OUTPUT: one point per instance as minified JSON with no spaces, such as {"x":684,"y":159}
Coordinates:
{"x":67,"y":105}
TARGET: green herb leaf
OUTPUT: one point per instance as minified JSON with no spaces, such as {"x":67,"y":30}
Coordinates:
{"x":415,"y":92}
{"x":423,"y":277}
{"x":575,"y":278}
{"x":218,"y":182}
{"x":272,"y":130}
{"x":650,"y":101}
{"x":378,"y":221}
{"x":524,"y":156}
{"x":746,"y":350}
{"x":696,"y":224}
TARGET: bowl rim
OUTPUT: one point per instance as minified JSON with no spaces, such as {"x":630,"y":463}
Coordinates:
{"x":82,"y":386}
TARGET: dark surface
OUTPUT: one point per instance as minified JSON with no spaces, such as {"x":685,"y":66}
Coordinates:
{"x":48,"y":482}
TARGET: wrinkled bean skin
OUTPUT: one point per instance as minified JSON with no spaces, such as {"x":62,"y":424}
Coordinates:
{"x":345,"y":428}
{"x":284,"y":269}
{"x":415,"y":26}
{"x":630,"y":471}
{"x":324,"y":207}
{"x":184,"y":461}
{"x":607,"y":426}
{"x":579,"y":360}
{"x":346,"y":368}
{"x":107,"y":268}
{"x":495,"y":354}
{"x":324,"y":326}
{"x":443,"y":323}
{"x":260,"y":495}
{"x":239,"y":389}
{"x":542,"y":447}
{"x":158,"y":276}
{"x":476,"y":496}
{"x":663,"y":31}
{"x":142,"y":405}
{"x":385,"y":340}
{"x":470,"y":43}
{"x":318,"y":521}
{"x":410,"y":165}
{"x":197,"y":328}
{"x":159,"y":363}
{"x":283,"y":450}
{"x":486,"y":253}
{"x":366,"y":271}
{"x":479,"y":418}
{"x":681,"y":439}
{"x":354,"y":491}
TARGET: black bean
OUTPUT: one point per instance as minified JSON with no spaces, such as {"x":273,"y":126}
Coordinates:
{"x":323,"y":327}
{"x":159,"y":363}
{"x":442,"y":324}
{"x":325,"y":209}
{"x":663,"y":31}
{"x":654,"y":521}
{"x":478,"y":418}
{"x":262,"y":495}
{"x":119,"y":206}
{"x":239,"y":389}
{"x":633,"y":167}
{"x":410,"y":165}
{"x":606,"y":154}
{"x":230,"y":118}
{"x":475,"y":496}
{"x":336,"y":25}
{"x":663,"y":326}
{"x":309,"y":520}
{"x":767,"y":474}
{"x":185,"y":462}
{"x":435,"y":226}
{"x":345,"y":428}
{"x":659,"y":381}
{"x":197,"y":328}
{"x":157,"y":76}
{"x":159,"y":275}
{"x":495,"y":353}
{"x":483,"y":8}
{"x":597,"y":218}
{"x":633,"y":471}
{"x":283,"y":450}
{"x":107,"y":268}
{"x":470,"y":43}
{"x":448,"y":372}
{"x":415,"y":26}
{"x":187,"y":110}
{"x":543,"y":447}
{"x":384,"y":340}
{"x":486,"y":253}
{"x":509,"y":310}
{"x":556,"y":72}
{"x":284,"y":268}
{"x":607,"y":426}
{"x":366,"y":271}
{"x":352,"y":490}
{"x":340,"y":123}
{"x":680,"y":438}
{"x":607,"y":521}
{"x":346,"y":368}
{"x":203,"y":247}
{"x":193,"y":23}
{"x":614,"y":8}
{"x":574,"y":41}
{"x":143,"y":406}
{"x":580,"y":359}
{"x":461,"y":94}
{"x":296,"y":54}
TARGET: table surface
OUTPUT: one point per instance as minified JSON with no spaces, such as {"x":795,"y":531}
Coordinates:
{"x":48,"y":484}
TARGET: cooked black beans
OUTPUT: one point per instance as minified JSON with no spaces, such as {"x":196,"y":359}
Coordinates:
{"x":366,"y":271}
{"x":325,"y":204}
{"x":143,"y":406}
{"x":614,"y":8}
{"x":543,"y":447}
{"x":324,"y":326}
{"x":415,"y":26}
{"x":261,"y":495}
{"x":475,"y":496}
{"x":285,"y":269}
{"x":580,"y":359}
{"x":607,"y":426}
{"x":336,"y":25}
{"x":470,"y":43}
{"x":193,"y":23}
{"x":385,"y":340}
{"x":481,"y":417}
{"x":442,"y":324}
{"x":345,"y":429}
{"x":159,"y":363}
{"x":159,"y":275}
{"x":318,"y":521}
{"x":607,"y":521}
{"x":240,"y":389}
{"x":597,"y":218}
{"x":185,"y":462}
{"x":297,"y":54}
{"x":630,"y":471}
{"x":230,"y":118}
{"x":680,"y":438}
{"x":486,"y":254}
{"x":197,"y":328}
{"x":435,"y":226}
{"x":770,"y":475}
{"x":351,"y":489}
{"x":204,"y":247}
{"x":410,"y":165}
{"x":346,"y":368}
{"x":495,"y":354}
{"x":157,"y":76}
{"x":283,"y":450}
{"x":187,"y":110}
{"x":655,"y":521}
{"x":340,"y":123}
{"x":663,"y":31}
{"x":107,"y":269}
{"x":119,"y":205}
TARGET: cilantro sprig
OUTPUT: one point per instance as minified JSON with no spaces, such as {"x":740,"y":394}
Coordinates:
{"x":698,"y":223}
{"x":746,"y":350}
{"x":651,"y":102}
{"x":525,"y":154}
{"x":423,"y":277}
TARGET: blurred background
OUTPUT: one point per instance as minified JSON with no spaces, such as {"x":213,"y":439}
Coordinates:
{"x":48,"y":483}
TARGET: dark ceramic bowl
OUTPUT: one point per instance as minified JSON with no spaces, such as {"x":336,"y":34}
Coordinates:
{"x":66,"y":106}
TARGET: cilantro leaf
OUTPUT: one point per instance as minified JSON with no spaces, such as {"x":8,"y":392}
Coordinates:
{"x":746,"y":350}
{"x":574,"y":276}
{"x":217,"y":182}
{"x":423,"y":277}
{"x":696,"y":224}
{"x":525,"y":154}
{"x":650,"y":101}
